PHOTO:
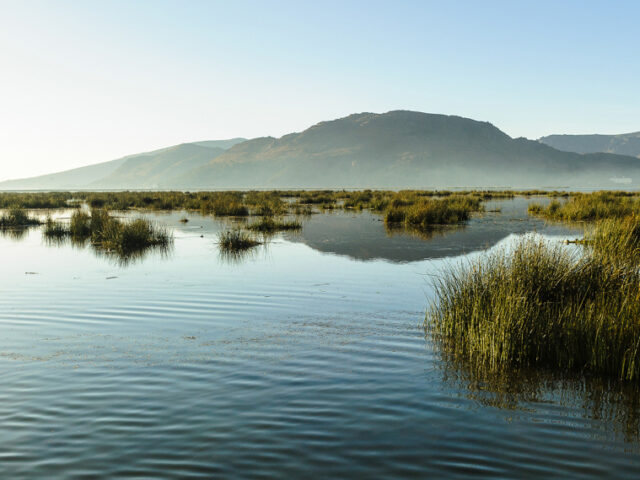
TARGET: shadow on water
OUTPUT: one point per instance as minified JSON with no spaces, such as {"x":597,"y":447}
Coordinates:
{"x":609,"y":403}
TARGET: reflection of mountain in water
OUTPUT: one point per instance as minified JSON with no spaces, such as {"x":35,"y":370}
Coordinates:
{"x":364,"y":236}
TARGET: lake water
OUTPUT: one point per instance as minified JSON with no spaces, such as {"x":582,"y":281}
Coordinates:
{"x":305,"y":358}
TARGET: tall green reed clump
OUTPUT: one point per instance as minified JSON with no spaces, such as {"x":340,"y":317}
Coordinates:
{"x":54,"y":229}
{"x":17,"y":217}
{"x":80,"y":225}
{"x":616,"y":241}
{"x":133,"y":235}
{"x":540,"y":304}
{"x":123,"y":236}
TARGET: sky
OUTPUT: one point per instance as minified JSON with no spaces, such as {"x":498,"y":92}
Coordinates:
{"x":87,"y":81}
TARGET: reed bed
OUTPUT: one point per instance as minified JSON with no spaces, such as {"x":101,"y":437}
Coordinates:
{"x":426,"y":213}
{"x":238,"y":203}
{"x":36,"y":200}
{"x":542,"y":304}
{"x":589,"y":207}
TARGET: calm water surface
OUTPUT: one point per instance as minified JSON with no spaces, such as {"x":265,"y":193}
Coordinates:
{"x":306,"y":358}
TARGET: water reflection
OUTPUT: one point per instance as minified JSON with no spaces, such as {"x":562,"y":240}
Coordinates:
{"x":364,"y":236}
{"x":422,"y":234}
{"x":237,"y":257}
{"x":609,"y":403}
{"x":114,"y":257}
{"x":17,"y":234}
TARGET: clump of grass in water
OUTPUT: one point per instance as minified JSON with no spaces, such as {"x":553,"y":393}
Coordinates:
{"x":55,"y":229}
{"x":80,"y":225}
{"x":130,"y":236}
{"x":235,"y":240}
{"x":110,"y":233}
{"x":425,"y":213}
{"x":17,"y":217}
{"x":541,"y":305}
{"x":269,"y":225}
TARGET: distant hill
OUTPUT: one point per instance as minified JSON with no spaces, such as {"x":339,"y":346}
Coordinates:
{"x":158,"y":169}
{"x":398,"y":149}
{"x":624,"y":144}
{"x":142,"y":170}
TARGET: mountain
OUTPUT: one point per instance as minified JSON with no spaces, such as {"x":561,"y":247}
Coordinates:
{"x":624,"y":144}
{"x":142,"y":170}
{"x":68,"y":179}
{"x":223,"y":144}
{"x":404,"y":149}
{"x":398,"y":149}
{"x":153,"y":171}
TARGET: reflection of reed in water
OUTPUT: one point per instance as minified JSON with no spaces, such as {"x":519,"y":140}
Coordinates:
{"x":614,"y":404}
{"x":14,"y":233}
{"x":120,"y":258}
{"x":124,"y":259}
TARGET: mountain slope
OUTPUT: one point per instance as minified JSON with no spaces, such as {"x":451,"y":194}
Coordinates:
{"x":132,"y":171}
{"x":223,"y":144}
{"x":403,"y":149}
{"x":152,"y":171}
{"x":68,"y":179}
{"x":624,"y":144}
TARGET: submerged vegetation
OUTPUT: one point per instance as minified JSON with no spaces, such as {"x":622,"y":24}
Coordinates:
{"x":545,"y":305}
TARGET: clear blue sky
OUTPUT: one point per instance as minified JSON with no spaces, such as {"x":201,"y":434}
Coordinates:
{"x":88,"y":81}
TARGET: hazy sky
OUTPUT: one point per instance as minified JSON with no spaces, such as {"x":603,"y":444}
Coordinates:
{"x":88,"y":81}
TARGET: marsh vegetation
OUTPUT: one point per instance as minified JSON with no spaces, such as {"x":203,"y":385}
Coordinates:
{"x":109,"y":233}
{"x":17,"y":217}
{"x":235,"y":240}
{"x":546,"y":304}
{"x":589,"y":206}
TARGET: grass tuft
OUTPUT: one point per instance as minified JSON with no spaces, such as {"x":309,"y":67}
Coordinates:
{"x":17,"y":217}
{"x":269,"y":225}
{"x":235,"y":240}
